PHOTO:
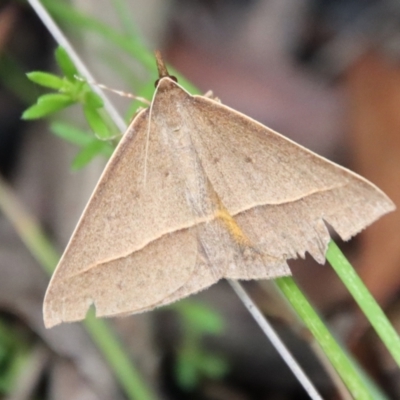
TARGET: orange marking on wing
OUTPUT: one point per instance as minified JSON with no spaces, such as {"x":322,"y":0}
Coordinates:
{"x":230,"y":223}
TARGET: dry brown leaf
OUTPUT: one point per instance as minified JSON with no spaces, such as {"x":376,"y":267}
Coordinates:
{"x":373,"y":86}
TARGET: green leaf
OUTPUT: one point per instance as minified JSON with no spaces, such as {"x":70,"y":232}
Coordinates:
{"x":200,"y":317}
{"x":186,"y":370}
{"x":65,"y":63}
{"x":93,"y":100}
{"x":79,"y":137}
{"x":107,"y":149}
{"x":71,"y":134}
{"x":87,"y":154}
{"x":47,"y":104}
{"x":211,"y":366}
{"x":54,"y":98}
{"x":96,"y":122}
{"x":47,"y":80}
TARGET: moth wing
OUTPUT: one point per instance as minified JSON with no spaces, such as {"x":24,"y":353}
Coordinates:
{"x":279,"y":193}
{"x":221,"y":255}
{"x":131,"y":247}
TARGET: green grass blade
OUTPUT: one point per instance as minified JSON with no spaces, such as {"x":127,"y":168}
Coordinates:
{"x":125,"y":19}
{"x":363,"y":297}
{"x":331,"y":348}
{"x":116,"y":357}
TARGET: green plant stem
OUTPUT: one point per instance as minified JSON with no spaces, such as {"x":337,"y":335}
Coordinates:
{"x":331,"y":348}
{"x":116,"y":357}
{"x":363,"y":297}
{"x":28,"y":229}
{"x":40,"y":247}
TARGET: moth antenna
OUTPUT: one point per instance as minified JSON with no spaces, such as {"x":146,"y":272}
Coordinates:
{"x":119,"y":92}
{"x":162,"y":69}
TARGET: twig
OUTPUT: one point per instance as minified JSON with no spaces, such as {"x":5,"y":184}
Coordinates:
{"x":275,"y":340}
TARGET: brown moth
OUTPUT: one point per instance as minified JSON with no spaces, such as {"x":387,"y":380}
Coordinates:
{"x":196,"y":192}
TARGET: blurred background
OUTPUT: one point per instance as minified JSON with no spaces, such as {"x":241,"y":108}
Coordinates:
{"x":324,"y":73}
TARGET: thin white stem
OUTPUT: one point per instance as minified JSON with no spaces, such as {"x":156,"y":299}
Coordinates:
{"x":81,"y":67}
{"x":275,"y":340}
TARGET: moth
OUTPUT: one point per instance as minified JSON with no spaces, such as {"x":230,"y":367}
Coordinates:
{"x":196,"y":192}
